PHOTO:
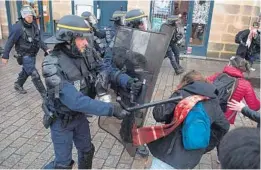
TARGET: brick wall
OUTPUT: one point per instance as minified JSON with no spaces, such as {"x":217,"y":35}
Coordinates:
{"x":3,"y":21}
{"x":230,"y":17}
{"x":61,"y":8}
{"x":139,"y":4}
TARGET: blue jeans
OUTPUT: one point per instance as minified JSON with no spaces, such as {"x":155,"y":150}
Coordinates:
{"x":254,"y":58}
{"x":158,"y":164}
{"x":77,"y":132}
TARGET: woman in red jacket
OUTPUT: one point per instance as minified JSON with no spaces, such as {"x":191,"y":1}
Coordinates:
{"x":244,"y":89}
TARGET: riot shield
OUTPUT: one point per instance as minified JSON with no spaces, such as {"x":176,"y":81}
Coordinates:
{"x":143,"y":52}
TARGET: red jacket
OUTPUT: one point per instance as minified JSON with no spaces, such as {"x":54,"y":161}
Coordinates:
{"x":243,"y":90}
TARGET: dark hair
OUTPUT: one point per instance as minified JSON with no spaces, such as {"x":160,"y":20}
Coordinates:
{"x":256,"y":24}
{"x":240,"y":63}
{"x":240,"y":149}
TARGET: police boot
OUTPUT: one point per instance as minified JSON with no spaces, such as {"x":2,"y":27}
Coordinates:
{"x":38,"y":83}
{"x":85,"y":159}
{"x":53,"y":165}
{"x":143,"y":151}
{"x":18,"y":85}
{"x":179,"y":70}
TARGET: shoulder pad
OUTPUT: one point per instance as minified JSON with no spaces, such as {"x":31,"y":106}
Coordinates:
{"x":50,"y":59}
{"x":53,"y":81}
{"x":50,"y":71}
{"x":49,"y":65}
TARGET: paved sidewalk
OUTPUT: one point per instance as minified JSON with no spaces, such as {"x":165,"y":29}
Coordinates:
{"x":25,"y":143}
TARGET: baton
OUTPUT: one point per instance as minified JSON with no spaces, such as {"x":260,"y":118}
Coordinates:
{"x":147,"y":105}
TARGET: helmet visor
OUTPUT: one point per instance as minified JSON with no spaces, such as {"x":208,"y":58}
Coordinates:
{"x":93,"y":20}
{"x":144,"y":24}
{"x":27,"y":11}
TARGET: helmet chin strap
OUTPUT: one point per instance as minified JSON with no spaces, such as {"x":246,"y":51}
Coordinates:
{"x":73,"y":50}
{"x":26,"y":23}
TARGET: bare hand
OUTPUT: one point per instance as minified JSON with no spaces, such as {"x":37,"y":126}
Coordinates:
{"x":4,"y":61}
{"x":48,"y":51}
{"x":235,"y":105}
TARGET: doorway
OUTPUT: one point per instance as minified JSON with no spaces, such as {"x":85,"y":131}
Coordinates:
{"x":196,"y":18}
{"x":198,"y":27}
{"x":105,"y":9}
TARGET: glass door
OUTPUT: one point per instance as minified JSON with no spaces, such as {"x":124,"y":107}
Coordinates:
{"x":45,"y":10}
{"x":199,"y":21}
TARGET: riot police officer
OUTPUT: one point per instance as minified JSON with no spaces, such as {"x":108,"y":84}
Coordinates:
{"x":70,"y":72}
{"x":173,"y":52}
{"x":25,"y":35}
{"x":138,"y":19}
{"x":118,"y":19}
{"x":99,"y":35}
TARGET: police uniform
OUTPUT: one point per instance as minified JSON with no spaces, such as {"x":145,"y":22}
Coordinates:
{"x":173,"y":50}
{"x":70,"y":78}
{"x":117,"y":18}
{"x":27,"y":40}
{"x":133,"y":19}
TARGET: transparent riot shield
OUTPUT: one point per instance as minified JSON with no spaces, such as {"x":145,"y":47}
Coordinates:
{"x":144,"y":52}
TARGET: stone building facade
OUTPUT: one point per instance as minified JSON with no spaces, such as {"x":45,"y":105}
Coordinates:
{"x":3,"y":21}
{"x":228,"y":18}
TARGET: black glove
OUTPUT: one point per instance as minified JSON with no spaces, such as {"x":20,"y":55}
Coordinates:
{"x":103,"y":79}
{"x":118,"y":111}
{"x":135,"y":86}
{"x":158,"y":113}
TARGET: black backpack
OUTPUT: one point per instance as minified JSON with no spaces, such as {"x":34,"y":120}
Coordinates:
{"x":226,"y":86}
{"x":237,"y":36}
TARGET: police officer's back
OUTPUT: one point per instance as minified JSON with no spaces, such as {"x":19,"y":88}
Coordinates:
{"x":118,"y":19}
{"x":70,"y":73}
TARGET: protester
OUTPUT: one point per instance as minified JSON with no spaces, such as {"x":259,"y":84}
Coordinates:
{"x":166,"y":142}
{"x":249,"y":44}
{"x":241,"y":107}
{"x":240,"y":149}
{"x":242,"y":88}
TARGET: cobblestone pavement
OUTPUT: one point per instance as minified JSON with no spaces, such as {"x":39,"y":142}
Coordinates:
{"x":25,"y":143}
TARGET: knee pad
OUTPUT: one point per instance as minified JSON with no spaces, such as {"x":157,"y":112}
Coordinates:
{"x":35,"y":74}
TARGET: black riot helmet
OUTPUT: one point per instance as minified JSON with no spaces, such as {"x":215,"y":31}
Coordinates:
{"x":68,"y":29}
{"x":173,"y":20}
{"x":136,"y":18}
{"x":118,"y":17}
{"x":90,"y":18}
